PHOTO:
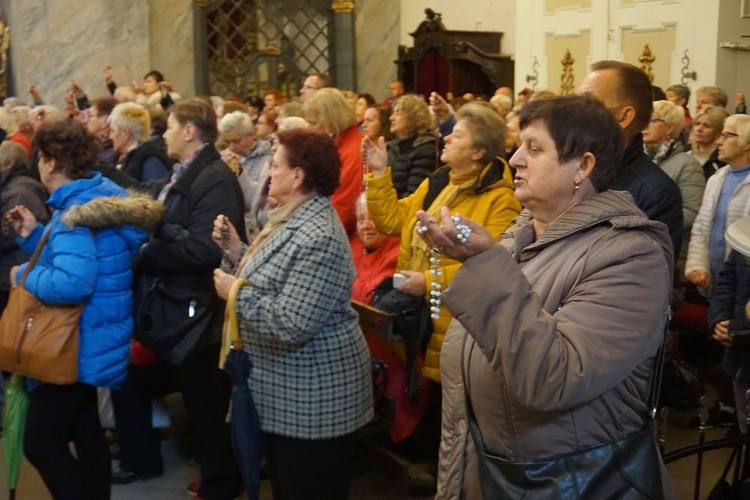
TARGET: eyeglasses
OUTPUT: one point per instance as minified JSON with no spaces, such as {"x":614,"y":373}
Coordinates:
{"x":728,"y":135}
{"x":656,"y":120}
{"x":309,"y":87}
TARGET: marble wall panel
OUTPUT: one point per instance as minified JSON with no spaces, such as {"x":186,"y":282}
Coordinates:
{"x":171,"y":43}
{"x":377,"y":38}
{"x":52,"y":43}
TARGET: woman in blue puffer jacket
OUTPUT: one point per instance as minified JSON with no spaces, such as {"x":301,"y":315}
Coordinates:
{"x":95,"y":231}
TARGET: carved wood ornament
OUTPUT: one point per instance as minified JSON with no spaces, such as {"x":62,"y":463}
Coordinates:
{"x":566,"y":79}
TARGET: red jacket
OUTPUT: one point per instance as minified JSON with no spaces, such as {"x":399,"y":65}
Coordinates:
{"x":372,"y":267}
{"x":349,"y":143}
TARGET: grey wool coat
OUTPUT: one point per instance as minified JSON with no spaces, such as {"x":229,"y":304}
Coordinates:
{"x":562,"y":334}
{"x":311,"y":368}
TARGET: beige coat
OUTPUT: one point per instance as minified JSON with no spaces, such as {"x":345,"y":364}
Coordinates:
{"x":562,"y":335}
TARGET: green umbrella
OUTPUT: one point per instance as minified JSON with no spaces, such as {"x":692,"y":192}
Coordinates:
{"x":16,"y":404}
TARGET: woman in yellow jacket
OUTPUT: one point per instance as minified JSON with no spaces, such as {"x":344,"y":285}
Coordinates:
{"x":474,"y":183}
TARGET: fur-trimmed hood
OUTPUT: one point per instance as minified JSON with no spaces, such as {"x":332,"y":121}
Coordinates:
{"x":137,"y":210}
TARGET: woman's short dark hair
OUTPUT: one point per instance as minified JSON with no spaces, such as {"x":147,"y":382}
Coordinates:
{"x":369,"y":99}
{"x":104,"y":105}
{"x":256,"y":102}
{"x":569,"y":122}
{"x":73,"y":148}
{"x":316,"y":155}
{"x":156,"y":74}
{"x":384,"y":113}
{"x":198,"y":113}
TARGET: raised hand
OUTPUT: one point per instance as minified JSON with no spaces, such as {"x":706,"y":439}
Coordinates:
{"x":439,"y":107}
{"x":375,"y":155}
{"x":76,"y":89}
{"x":34,"y":91}
{"x":22,"y":220}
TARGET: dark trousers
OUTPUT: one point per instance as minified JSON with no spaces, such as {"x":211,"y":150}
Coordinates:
{"x":57,"y":415}
{"x":309,"y":469}
{"x":140,"y":443}
{"x":205,"y":391}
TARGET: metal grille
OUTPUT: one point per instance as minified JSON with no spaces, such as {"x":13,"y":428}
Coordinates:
{"x":257,"y":45}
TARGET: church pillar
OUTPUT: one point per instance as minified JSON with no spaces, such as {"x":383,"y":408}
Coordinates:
{"x":343,"y":55}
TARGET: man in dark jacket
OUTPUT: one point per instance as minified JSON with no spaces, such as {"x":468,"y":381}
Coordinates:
{"x":627,"y":93}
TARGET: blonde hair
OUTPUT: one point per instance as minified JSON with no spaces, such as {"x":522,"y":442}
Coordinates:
{"x":672,"y":115}
{"x":717,"y":94}
{"x":131,"y":117}
{"x":6,"y":122}
{"x":716,"y":116}
{"x":12,"y":154}
{"x":330,"y":108}
{"x":51,"y":113}
{"x":488,"y":129}
{"x":419,"y":120}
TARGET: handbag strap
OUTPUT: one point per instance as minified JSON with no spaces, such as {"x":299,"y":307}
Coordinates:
{"x":230,"y":337}
{"x":653,"y":400}
{"x":35,"y":255}
{"x":658,"y":371}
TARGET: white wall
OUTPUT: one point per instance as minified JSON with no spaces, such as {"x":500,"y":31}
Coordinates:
{"x":698,"y":29}
{"x":471,"y":15}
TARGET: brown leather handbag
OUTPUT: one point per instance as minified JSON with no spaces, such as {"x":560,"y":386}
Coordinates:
{"x":36,"y":339}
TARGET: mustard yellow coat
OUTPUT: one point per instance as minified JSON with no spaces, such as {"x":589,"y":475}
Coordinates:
{"x":489,"y":201}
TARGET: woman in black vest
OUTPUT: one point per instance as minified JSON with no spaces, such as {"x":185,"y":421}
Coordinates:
{"x":140,"y":159}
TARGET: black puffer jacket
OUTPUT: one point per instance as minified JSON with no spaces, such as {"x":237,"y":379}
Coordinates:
{"x":411,"y":160}
{"x":18,"y":187}
{"x":136,"y":159}
{"x":652,"y":189}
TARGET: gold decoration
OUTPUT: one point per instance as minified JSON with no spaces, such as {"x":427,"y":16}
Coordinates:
{"x":342,"y":7}
{"x":566,"y":79}
{"x":646,"y":59}
{"x":272,"y":49}
{"x":4,"y":45}
{"x":238,"y":75}
{"x":202,"y":3}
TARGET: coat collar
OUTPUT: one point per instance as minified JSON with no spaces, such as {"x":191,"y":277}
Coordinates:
{"x":307,"y":211}
{"x":207,"y":155}
{"x":614,"y":208}
{"x":78,"y":191}
{"x":633,"y":151}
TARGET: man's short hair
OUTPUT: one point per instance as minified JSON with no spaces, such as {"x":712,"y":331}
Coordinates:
{"x":633,"y":89}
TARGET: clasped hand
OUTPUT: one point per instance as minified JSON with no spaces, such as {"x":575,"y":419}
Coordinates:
{"x":23,"y":222}
{"x":225,"y":236}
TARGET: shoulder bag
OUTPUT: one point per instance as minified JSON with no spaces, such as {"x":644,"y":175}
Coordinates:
{"x":172,"y":321}
{"x":36,"y":339}
{"x":626,"y":468}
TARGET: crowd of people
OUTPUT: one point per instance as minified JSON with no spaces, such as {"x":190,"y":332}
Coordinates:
{"x":529,"y":247}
